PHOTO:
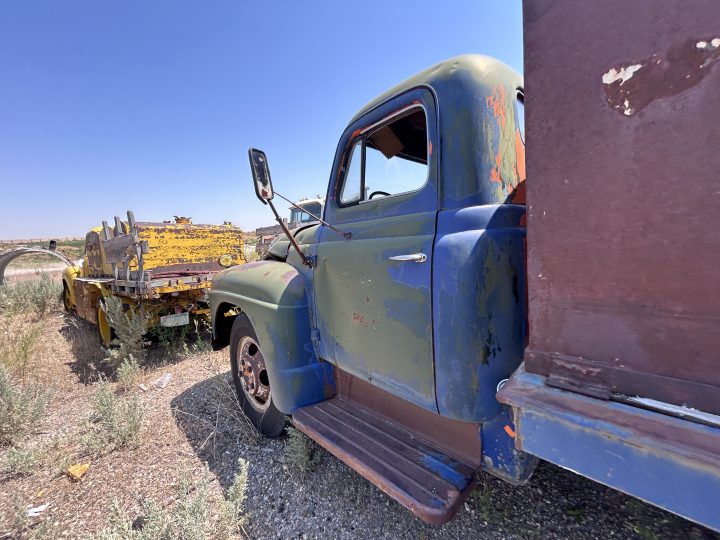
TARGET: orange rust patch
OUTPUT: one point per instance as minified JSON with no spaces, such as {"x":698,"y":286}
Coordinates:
{"x":509,"y":431}
{"x":496,"y":102}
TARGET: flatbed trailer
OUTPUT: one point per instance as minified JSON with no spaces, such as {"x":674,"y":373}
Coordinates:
{"x":163,"y":268}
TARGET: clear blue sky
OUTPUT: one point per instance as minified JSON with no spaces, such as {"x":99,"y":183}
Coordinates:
{"x":151,"y":105}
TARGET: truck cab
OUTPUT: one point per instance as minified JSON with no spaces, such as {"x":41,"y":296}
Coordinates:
{"x":406,"y":306}
{"x":395,"y":332}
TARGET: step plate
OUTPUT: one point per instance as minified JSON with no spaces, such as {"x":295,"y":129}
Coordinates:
{"x":428,"y":482}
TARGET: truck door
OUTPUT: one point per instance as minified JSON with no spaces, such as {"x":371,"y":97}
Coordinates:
{"x":373,"y":291}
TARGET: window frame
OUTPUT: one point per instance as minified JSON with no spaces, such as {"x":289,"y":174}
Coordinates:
{"x":520,"y":98}
{"x":362,"y":136}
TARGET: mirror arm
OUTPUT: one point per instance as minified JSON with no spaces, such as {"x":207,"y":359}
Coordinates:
{"x":305,"y":260}
{"x":345,"y":235}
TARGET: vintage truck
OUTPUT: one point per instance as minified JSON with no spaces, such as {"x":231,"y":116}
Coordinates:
{"x":421,"y":336}
{"x":163,"y":268}
{"x":302,"y":212}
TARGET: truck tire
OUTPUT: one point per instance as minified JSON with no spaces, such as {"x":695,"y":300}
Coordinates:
{"x":251,"y":380}
{"x":67,"y":302}
{"x":105,"y":331}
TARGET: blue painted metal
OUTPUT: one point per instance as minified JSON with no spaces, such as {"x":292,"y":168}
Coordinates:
{"x":479,"y":307}
{"x":273,"y":296}
{"x":666,"y":461}
{"x":500,"y":457}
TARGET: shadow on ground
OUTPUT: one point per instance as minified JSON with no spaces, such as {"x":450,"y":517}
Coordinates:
{"x":210,"y":417}
{"x":87,"y":352}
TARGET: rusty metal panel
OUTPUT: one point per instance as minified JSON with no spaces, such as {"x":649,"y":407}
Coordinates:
{"x":461,"y":440}
{"x":429,"y":483}
{"x":623,"y":130}
{"x":120,"y":249}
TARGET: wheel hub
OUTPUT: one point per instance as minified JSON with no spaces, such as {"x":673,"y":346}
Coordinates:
{"x":252,"y":373}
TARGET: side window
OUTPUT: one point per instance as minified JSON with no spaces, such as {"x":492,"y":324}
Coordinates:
{"x":395,"y":160}
{"x":353,"y":177}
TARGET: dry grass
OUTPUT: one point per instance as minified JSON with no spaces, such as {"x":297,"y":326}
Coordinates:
{"x":135,"y":441}
{"x":21,"y":407}
{"x":302,"y":455}
{"x":190,"y":517}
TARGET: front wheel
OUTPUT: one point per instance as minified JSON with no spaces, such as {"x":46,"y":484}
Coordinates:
{"x":251,"y":380}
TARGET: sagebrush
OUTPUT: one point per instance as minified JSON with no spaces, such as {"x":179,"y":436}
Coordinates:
{"x":18,"y":343}
{"x":129,"y":327}
{"x":20,"y":461}
{"x":21,"y":407}
{"x":115,"y":422}
{"x":37,"y":296}
{"x":127,"y":373}
{"x":190,"y":518}
{"x":302,"y":455}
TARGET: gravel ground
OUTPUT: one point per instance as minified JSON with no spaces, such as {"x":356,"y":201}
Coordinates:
{"x":194,"y":422}
{"x":334,"y":502}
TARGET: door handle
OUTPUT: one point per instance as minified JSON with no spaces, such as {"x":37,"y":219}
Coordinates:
{"x":413,"y":257}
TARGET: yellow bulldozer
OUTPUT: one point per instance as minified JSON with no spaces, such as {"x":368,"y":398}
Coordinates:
{"x":164,"y":269}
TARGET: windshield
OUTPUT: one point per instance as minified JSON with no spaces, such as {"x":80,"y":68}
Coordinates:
{"x":298,"y":216}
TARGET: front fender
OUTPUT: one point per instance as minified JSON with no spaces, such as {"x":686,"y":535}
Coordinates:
{"x":272,"y":295}
{"x":68,"y":276}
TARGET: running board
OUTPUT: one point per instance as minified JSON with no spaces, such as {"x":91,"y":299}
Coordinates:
{"x":431,"y":484}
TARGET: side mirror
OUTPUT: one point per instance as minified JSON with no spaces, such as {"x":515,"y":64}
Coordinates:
{"x":261,"y":175}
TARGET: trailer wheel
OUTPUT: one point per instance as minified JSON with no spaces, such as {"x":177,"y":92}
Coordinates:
{"x":105,"y":332}
{"x":251,"y":380}
{"x":67,"y":303}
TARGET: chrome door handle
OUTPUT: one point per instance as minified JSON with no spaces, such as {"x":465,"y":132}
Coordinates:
{"x":413,"y":257}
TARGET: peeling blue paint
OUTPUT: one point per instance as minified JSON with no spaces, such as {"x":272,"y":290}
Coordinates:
{"x":478,"y":316}
{"x":446,"y":470}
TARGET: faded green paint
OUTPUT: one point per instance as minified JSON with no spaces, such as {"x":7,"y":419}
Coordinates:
{"x":266,"y":282}
{"x":374,"y":315}
{"x":272,"y":295}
